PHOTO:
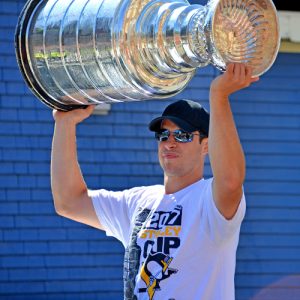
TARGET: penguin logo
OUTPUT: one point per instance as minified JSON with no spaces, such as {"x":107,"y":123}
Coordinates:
{"x":155,"y":269}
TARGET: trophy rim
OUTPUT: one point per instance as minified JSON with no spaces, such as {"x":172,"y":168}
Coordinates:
{"x":219,"y":57}
{"x":23,"y":61}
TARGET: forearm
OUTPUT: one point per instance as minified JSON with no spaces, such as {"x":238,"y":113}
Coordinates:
{"x":225,"y":150}
{"x":66,"y":178}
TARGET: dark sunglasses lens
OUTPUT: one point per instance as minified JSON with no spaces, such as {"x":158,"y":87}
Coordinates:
{"x":162,"y":136}
{"x":182,"y":136}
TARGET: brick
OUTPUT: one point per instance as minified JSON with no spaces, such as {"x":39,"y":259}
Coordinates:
{"x":7,"y":142}
{"x":29,"y":100}
{"x":13,"y":75}
{"x":88,"y":143}
{"x":93,"y":181}
{"x":8,"y":209}
{"x":41,"y":195}
{"x":36,"y":248}
{"x":44,"y":115}
{"x":7,"y":35}
{"x":7,"y":61}
{"x":7,"y":222}
{"x":8,"y":19}
{"x":123,"y":169}
{"x":17,"y":155}
{"x":4,"y":276}
{"x":7,"y":168}
{"x":41,"y":155}
{"x":54,"y":234}
{"x":8,"y":115}
{"x":21,"y":168}
{"x":35,"y":296}
{"x":43,"y":181}
{"x":2,"y":88}
{"x":8,"y":181}
{"x":9,"y":128}
{"x":87,"y":260}
{"x":37,"y":221}
{"x":84,"y":233}
{"x":36,"y":274}
{"x":10,"y":101}
{"x":114,"y":182}
{"x":69,"y":247}
{"x":22,"y":261}
{"x":68,"y":223}
{"x":127,"y":143}
{"x":3,"y":195}
{"x":89,"y":156}
{"x":7,"y":7}
{"x":36,"y":208}
{"x":33,"y":142}
{"x":15,"y":88}
{"x":91,"y":169}
{"x":27,"y":181}
{"x":20,"y":234}
{"x":19,"y":194}
{"x":125,"y":130}
{"x":88,"y":285}
{"x":141,"y":169}
{"x":10,"y":235}
{"x":29,"y":128}
{"x":7,"y":49}
{"x":106,"y":246}
{"x":93,"y":130}
{"x":11,"y":248}
{"x":25,"y":115}
{"x":12,"y":288}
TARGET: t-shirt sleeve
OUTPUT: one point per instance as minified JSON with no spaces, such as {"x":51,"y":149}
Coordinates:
{"x":218,"y":226}
{"x":112,"y":210}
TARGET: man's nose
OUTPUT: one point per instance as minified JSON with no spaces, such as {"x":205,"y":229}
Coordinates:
{"x":170,"y":143}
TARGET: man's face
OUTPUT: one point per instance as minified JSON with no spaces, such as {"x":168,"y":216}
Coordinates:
{"x":181,"y":159}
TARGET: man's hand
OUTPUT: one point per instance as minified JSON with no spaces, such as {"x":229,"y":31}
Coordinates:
{"x":236,"y":77}
{"x":74,"y":116}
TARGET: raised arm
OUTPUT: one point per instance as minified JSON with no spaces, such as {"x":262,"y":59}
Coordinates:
{"x":225,"y":151}
{"x":69,"y":190}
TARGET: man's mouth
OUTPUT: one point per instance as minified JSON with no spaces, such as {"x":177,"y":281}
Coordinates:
{"x":169,"y":155}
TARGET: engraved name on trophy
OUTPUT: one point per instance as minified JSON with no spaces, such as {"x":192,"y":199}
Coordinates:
{"x":74,"y":53}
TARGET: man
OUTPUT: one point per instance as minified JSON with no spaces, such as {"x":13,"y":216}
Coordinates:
{"x":180,"y":237}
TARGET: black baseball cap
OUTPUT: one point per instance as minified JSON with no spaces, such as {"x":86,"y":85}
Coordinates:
{"x":186,"y":114}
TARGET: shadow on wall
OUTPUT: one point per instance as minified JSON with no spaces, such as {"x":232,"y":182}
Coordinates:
{"x":286,"y":288}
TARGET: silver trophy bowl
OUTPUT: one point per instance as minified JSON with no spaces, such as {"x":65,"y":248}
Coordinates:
{"x":74,"y":53}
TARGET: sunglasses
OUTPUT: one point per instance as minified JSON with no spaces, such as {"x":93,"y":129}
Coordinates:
{"x":179,"y":135}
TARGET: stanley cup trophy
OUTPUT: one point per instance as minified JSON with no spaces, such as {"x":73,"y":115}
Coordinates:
{"x":74,"y":53}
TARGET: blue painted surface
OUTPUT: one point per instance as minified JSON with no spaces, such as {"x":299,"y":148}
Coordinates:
{"x":43,"y":256}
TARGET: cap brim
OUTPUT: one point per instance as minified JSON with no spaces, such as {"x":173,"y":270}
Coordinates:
{"x":155,"y":125}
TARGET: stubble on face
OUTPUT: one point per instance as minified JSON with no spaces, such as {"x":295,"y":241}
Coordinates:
{"x":179,"y":160}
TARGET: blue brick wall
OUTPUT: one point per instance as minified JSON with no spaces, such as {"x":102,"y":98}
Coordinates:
{"x":43,"y":256}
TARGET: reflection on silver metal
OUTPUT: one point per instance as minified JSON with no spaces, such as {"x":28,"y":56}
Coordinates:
{"x":74,"y":53}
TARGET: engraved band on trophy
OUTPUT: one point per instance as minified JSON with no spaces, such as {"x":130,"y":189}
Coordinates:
{"x":74,"y":53}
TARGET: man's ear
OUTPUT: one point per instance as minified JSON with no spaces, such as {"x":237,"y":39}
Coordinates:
{"x":204,"y":144}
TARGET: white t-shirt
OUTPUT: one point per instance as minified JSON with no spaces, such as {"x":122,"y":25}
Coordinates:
{"x":178,"y":246}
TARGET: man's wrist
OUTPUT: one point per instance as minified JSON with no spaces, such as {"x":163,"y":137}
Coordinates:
{"x":218,"y":95}
{"x":65,"y":122}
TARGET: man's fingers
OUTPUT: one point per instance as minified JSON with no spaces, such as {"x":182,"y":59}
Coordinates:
{"x":254,"y":79}
{"x":90,"y":109}
{"x":230,"y":68}
{"x":249,"y":71}
{"x":242,"y":73}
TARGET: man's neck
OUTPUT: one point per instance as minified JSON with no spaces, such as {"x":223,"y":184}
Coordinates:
{"x":174,"y":184}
